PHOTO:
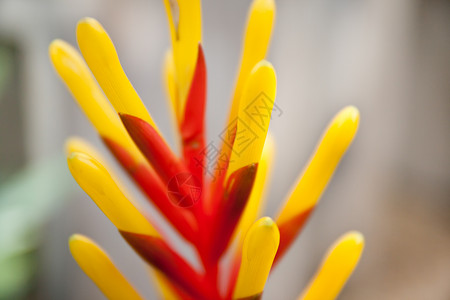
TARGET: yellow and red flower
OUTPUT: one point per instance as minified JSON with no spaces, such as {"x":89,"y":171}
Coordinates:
{"x":209,"y":214}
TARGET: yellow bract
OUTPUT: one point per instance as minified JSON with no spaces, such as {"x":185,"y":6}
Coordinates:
{"x":171,"y":88}
{"x":255,"y":201}
{"x":335,"y":141}
{"x":259,"y":249}
{"x":254,"y":117}
{"x":185,"y":24}
{"x":75,"y":73}
{"x":95,"y":180}
{"x":101,"y":57}
{"x":166,"y":291}
{"x":98,"y":266}
{"x":77,"y":144}
{"x":336,"y":268}
{"x":260,"y":22}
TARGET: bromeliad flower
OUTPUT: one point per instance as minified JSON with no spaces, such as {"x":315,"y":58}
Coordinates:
{"x":212,"y":213}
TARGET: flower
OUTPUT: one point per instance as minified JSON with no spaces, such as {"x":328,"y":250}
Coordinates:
{"x":209,"y":212}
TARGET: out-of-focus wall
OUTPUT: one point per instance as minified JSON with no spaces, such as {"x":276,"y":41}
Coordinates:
{"x":389,"y":58}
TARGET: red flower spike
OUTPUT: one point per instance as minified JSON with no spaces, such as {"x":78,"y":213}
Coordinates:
{"x":149,"y":182}
{"x":161,"y":256}
{"x":289,"y":231}
{"x":236,"y":194}
{"x":192,"y":127}
{"x":153,"y":147}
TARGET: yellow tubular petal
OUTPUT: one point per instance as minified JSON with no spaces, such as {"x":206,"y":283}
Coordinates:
{"x":171,"y":88}
{"x":335,"y":141}
{"x":95,"y":180}
{"x":260,"y":22}
{"x":185,"y":24}
{"x":255,"y":202}
{"x":75,"y":73}
{"x":259,"y":249}
{"x":76,"y":144}
{"x":165,"y":289}
{"x":98,"y":266}
{"x":254,"y":117}
{"x":101,"y":57}
{"x":336,"y":268}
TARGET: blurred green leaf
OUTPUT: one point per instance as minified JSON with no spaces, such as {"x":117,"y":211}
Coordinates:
{"x":15,"y":275}
{"x":27,"y":201}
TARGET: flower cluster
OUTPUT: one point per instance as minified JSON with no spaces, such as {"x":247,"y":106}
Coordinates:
{"x":215,"y":214}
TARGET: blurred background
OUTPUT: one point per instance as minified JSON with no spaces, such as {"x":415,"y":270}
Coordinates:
{"x":389,"y":58}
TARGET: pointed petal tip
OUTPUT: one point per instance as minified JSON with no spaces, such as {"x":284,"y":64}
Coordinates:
{"x":264,"y":70}
{"x":263,"y":64}
{"x":269,"y":226}
{"x":88,"y":21}
{"x":263,"y":233}
{"x":87,"y":28}
{"x":73,"y":144}
{"x":75,"y":237}
{"x":128,"y":119}
{"x":337,"y":266}
{"x":64,"y":57}
{"x":98,"y":266}
{"x":55,"y":46}
{"x":265,"y":4}
{"x":79,"y":156}
{"x":344,"y":127}
{"x":266,"y":221}
{"x":350,"y":113}
{"x":71,"y":156}
{"x":356,"y":237}
{"x":258,"y":252}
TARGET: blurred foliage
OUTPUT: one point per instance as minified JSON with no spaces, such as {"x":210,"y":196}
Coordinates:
{"x":27,"y":201}
{"x":6,"y":66}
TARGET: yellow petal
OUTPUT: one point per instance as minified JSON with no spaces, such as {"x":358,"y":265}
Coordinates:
{"x":101,"y":57}
{"x":75,"y":73}
{"x":98,"y":266}
{"x":259,"y":249}
{"x":95,"y":180}
{"x":165,"y":289}
{"x":254,"y":117}
{"x":185,"y":24}
{"x":314,"y":179}
{"x":77,"y":144}
{"x":171,"y":87}
{"x":255,"y":202}
{"x":260,"y":22}
{"x":336,"y":268}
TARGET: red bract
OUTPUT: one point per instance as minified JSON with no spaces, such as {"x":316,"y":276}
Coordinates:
{"x":192,"y":128}
{"x":156,"y":191}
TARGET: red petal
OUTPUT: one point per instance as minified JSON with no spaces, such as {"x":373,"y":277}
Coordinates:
{"x":149,"y":182}
{"x":289,"y":231}
{"x":193,"y":125}
{"x":154,"y":148}
{"x":156,"y":252}
{"x":236,"y":194}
